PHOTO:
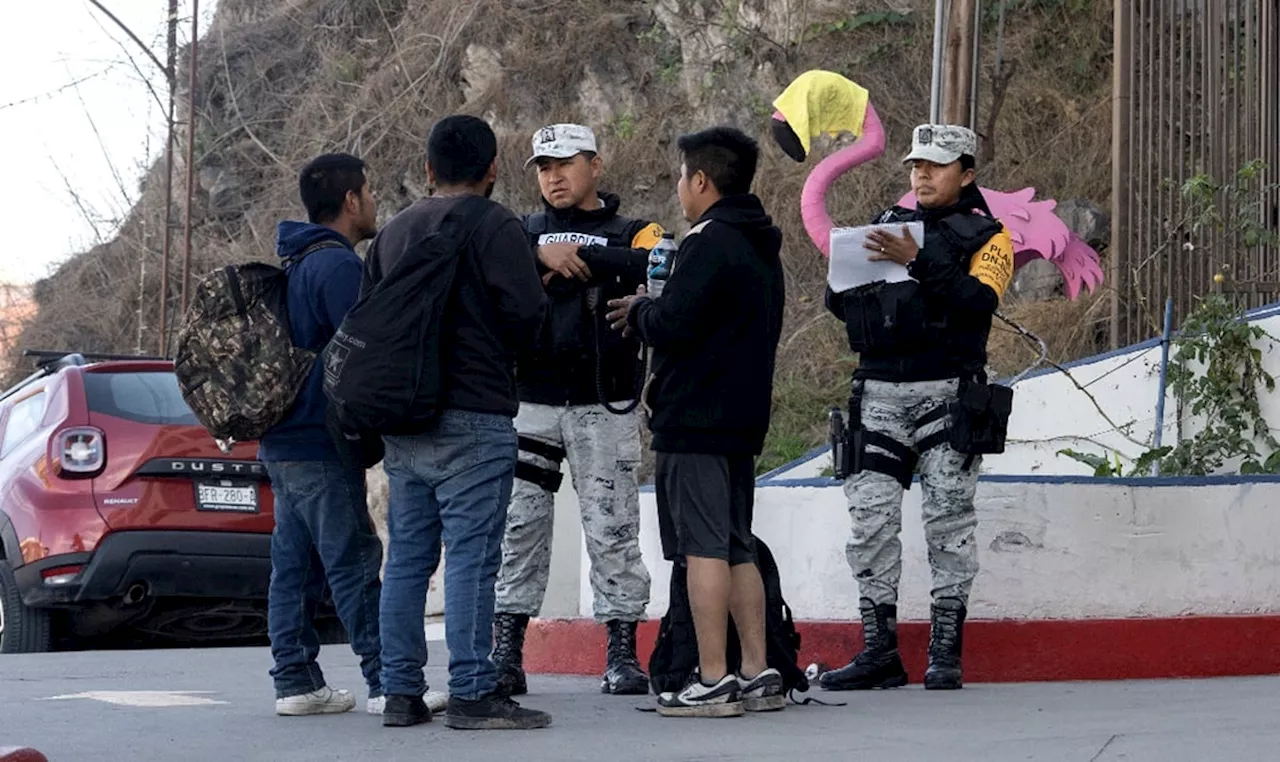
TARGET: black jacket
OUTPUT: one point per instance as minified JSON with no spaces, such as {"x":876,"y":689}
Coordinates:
{"x":962,"y":270}
{"x":714,"y":333}
{"x":562,"y":369}
{"x":497,"y":305}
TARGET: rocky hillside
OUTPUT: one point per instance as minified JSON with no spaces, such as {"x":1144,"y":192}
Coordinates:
{"x":283,"y":80}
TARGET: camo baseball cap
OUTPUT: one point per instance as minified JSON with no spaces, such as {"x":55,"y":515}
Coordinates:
{"x":561,"y":141}
{"x":941,"y":143}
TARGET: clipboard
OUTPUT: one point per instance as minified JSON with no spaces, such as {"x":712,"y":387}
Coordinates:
{"x":849,"y":266}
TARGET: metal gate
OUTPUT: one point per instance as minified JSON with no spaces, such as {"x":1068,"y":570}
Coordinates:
{"x":1197,"y":92}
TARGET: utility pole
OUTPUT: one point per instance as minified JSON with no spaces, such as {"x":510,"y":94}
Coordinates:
{"x":171,"y":75}
{"x":960,"y":59}
{"x":191,"y":150}
{"x":955,"y":62}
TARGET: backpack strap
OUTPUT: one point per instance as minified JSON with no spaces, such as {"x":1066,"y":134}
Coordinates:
{"x":327,"y":243}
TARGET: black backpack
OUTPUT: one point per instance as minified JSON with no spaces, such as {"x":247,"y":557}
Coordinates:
{"x":675,"y":653}
{"x":382,"y":371}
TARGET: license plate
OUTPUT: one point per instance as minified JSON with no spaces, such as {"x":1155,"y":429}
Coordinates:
{"x":226,"y":496}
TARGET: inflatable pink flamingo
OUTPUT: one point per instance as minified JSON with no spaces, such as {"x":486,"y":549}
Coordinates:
{"x":825,"y":103}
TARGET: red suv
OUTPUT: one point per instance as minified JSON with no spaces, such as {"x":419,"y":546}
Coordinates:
{"x":119,"y":514}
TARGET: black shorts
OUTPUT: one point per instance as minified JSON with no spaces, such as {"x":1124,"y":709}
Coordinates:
{"x":705,"y":504}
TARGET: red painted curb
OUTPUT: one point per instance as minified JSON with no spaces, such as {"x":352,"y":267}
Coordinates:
{"x":16,"y":754}
{"x":995,"y":651}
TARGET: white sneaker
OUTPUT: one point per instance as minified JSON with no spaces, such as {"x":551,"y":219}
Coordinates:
{"x":324,"y":701}
{"x":436,"y":701}
{"x":698,"y":699}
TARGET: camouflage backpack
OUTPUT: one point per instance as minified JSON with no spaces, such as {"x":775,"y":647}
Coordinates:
{"x":236,"y":363}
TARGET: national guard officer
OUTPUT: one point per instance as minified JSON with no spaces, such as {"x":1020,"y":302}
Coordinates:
{"x":920,"y":396}
{"x":578,"y":390}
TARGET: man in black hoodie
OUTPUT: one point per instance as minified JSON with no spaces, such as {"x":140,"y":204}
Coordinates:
{"x":714,"y":333}
{"x":576,"y":389}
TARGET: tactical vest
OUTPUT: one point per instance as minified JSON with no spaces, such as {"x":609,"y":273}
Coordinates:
{"x":891,"y":317}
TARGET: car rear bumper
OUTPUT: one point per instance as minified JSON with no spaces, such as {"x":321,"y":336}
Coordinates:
{"x":232,"y":565}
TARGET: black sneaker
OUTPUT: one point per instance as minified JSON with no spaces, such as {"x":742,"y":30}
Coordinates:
{"x":493,"y":712}
{"x":697,"y":699}
{"x":404,"y":711}
{"x":762,"y":693}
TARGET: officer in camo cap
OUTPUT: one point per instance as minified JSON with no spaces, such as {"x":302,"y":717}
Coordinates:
{"x":922,"y":344}
{"x":577,"y":390}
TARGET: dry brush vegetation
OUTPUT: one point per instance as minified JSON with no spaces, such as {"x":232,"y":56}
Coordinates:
{"x":283,"y":80}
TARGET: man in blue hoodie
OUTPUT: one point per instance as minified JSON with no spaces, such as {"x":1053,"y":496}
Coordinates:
{"x":323,"y":531}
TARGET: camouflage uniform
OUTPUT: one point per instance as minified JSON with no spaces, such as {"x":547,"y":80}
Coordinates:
{"x":603,"y":453}
{"x":874,"y":551}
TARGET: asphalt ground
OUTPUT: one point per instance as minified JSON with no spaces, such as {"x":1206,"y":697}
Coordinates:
{"x":217,"y":704}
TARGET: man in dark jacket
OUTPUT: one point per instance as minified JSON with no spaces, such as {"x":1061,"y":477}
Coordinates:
{"x":452,"y":484}
{"x":576,"y":393}
{"x":714,"y":333}
{"x":322,"y":525}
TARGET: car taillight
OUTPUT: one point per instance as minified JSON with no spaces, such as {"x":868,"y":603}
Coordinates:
{"x":60,"y":575}
{"x":81,"y":452}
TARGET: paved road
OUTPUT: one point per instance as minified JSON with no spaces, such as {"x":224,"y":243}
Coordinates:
{"x":88,"y":706}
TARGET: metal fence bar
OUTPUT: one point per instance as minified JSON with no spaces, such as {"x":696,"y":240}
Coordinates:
{"x":1196,"y":91}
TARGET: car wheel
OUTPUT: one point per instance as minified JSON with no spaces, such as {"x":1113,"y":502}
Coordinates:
{"x":23,"y":630}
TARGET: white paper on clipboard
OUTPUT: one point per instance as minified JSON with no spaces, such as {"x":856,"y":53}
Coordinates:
{"x":849,"y":266}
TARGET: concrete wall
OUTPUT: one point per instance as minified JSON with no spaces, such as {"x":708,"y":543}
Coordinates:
{"x":1050,"y":548}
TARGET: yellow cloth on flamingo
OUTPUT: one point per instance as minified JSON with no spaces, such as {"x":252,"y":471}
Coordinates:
{"x":823,"y":103}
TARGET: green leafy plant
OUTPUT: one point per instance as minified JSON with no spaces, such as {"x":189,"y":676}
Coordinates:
{"x":1216,"y":369}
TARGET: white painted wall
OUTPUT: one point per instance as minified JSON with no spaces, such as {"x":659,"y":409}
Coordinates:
{"x":1047,"y":550}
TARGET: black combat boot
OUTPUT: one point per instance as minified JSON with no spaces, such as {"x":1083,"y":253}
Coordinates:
{"x":508,"y":653}
{"x":622,"y":674}
{"x":946,"y":638}
{"x":879,"y":665}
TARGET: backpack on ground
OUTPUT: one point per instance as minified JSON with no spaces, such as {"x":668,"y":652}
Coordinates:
{"x":236,"y":364}
{"x":675,"y":653}
{"x":382,"y":371}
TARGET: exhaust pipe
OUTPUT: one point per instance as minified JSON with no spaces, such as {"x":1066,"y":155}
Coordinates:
{"x":136,"y":593}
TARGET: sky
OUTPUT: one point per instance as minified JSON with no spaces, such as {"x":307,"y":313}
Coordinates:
{"x":77,"y":120}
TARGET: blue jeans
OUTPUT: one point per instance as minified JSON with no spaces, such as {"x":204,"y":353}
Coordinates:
{"x":323,"y":533}
{"x":452,"y":484}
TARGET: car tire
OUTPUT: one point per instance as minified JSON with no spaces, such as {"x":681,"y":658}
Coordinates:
{"x":24,"y":630}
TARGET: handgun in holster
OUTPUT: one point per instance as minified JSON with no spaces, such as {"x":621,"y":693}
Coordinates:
{"x":849,"y":447}
{"x":846,"y":438}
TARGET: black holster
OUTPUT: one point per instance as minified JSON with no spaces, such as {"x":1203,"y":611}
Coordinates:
{"x":548,"y":479}
{"x":849,"y":447}
{"x":980,"y":418}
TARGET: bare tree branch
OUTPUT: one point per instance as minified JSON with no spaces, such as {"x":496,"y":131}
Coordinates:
{"x":57,"y":91}
{"x":75,"y":198}
{"x":102,"y":146}
{"x":134,"y":63}
{"x":132,"y":36}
